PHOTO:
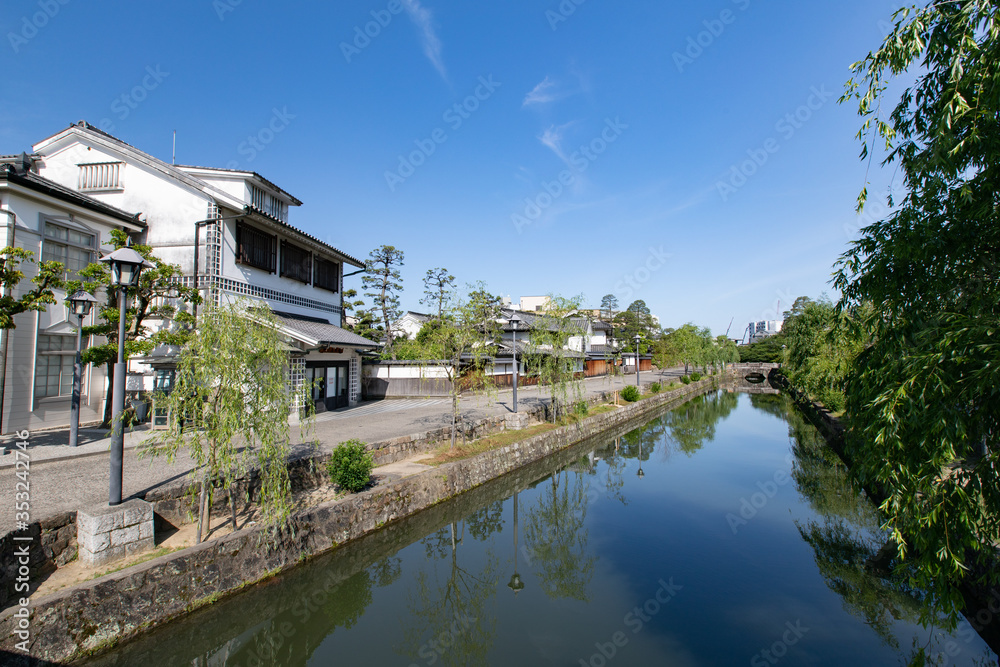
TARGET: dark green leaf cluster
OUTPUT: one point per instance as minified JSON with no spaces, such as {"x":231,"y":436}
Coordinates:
{"x":630,"y":393}
{"x":350,"y":466}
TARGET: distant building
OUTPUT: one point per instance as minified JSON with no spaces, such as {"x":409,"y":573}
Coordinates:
{"x":533,"y":304}
{"x":764,"y":329}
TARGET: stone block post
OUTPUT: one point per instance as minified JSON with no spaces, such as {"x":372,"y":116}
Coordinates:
{"x":105,"y":534}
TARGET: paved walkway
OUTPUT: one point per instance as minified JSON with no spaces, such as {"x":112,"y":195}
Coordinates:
{"x":64,"y":478}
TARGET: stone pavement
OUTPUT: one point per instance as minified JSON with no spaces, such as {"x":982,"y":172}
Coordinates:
{"x":65,"y":479}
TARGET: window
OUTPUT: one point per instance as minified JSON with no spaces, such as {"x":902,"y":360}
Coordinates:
{"x":256,"y":248}
{"x":54,"y":366}
{"x":327,"y":275}
{"x":75,"y":249}
{"x":296,"y":263}
{"x":268,"y":203}
{"x":101,"y":176}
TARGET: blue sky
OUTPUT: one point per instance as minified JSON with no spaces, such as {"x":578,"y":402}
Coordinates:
{"x":691,"y":155}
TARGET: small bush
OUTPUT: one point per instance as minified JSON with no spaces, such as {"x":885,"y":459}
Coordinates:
{"x":350,"y":466}
{"x":656,"y":387}
{"x":685,"y":379}
{"x":581,"y":408}
{"x":630,"y":393}
{"x":695,"y":377}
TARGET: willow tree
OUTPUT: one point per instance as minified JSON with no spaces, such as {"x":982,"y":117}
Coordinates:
{"x":230,"y":407}
{"x":924,"y":395}
{"x":466,"y":336}
{"x":549,"y":356}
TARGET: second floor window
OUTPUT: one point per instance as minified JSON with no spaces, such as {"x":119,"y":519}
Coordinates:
{"x":296,"y":263}
{"x":75,"y":249}
{"x":327,"y":275}
{"x":256,"y":248}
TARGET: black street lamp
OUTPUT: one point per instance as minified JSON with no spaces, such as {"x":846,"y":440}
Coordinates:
{"x":79,"y":304}
{"x":514,"y":321}
{"x":637,"y":361}
{"x":126,"y":265}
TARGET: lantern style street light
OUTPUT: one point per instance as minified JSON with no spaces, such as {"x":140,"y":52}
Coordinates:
{"x":637,"y":361}
{"x":126,"y":265}
{"x":514,"y":321}
{"x":79,"y":304}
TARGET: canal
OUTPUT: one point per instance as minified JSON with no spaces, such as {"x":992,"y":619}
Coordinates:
{"x":724,"y":532}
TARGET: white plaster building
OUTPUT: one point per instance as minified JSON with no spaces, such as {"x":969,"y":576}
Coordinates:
{"x":36,"y":357}
{"x":236,"y":223}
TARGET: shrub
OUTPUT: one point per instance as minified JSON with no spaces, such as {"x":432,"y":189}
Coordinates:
{"x":656,"y":387}
{"x":581,"y":408}
{"x":630,"y":393}
{"x":685,"y":379}
{"x":350,"y":465}
{"x":695,"y":377}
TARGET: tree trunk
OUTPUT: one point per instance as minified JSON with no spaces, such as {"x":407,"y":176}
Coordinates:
{"x":201,"y":512}
{"x":232,"y":506}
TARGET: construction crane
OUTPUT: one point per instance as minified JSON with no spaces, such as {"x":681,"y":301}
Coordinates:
{"x":730,"y":325}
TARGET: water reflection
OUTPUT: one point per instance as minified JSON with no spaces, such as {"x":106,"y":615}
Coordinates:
{"x":536,"y":566}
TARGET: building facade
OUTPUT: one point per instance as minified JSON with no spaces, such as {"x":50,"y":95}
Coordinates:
{"x":229,"y":232}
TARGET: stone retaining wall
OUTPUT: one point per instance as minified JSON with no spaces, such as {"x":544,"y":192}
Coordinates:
{"x":95,"y":615}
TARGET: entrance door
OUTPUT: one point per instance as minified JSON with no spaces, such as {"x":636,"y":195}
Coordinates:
{"x":336,"y":385}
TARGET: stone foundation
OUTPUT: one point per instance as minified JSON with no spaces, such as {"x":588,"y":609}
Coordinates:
{"x":106,"y":534}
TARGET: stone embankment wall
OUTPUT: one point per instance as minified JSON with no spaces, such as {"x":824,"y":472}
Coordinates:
{"x":95,"y":615}
{"x":54,"y":538}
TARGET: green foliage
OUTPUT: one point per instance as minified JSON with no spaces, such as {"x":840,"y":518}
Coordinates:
{"x":695,"y":377}
{"x":230,"y":404}
{"x":767,"y":351}
{"x":467,"y":336}
{"x":160,"y":297}
{"x":685,"y":379}
{"x":350,"y":466}
{"x":656,"y":387}
{"x":439,"y":286}
{"x":630,"y":393}
{"x":925,"y":286}
{"x":581,"y":408}
{"x":821,"y":350}
{"x":382,"y":283}
{"x":609,"y":304}
{"x":547,"y":356}
{"x":48,"y":277}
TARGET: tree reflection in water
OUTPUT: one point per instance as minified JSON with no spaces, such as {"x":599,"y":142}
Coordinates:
{"x":855,"y":556}
{"x":452,"y":619}
{"x":693,"y":424}
{"x":555,"y":537}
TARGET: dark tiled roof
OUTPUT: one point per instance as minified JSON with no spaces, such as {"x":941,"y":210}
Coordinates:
{"x":326,"y":334}
{"x":533,"y":320}
{"x":39,"y":184}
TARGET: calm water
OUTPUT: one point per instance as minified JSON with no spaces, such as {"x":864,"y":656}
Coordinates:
{"x":722,"y":533}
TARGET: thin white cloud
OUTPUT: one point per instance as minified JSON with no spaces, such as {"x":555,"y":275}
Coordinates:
{"x":543,"y":93}
{"x":552,"y":138}
{"x":424,"y":20}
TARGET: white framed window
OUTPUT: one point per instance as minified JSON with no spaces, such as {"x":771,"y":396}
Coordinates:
{"x":99,"y":176}
{"x":73,"y":247}
{"x":54,"y":366}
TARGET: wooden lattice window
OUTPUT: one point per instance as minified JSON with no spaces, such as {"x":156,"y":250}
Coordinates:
{"x":327,"y":275}
{"x":256,"y":248}
{"x":296,"y":262}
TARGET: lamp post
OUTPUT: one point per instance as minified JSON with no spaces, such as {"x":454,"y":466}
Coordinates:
{"x":640,"y":474}
{"x":514,"y":321}
{"x":126,"y":265}
{"x":637,"y":361}
{"x":79,"y":304}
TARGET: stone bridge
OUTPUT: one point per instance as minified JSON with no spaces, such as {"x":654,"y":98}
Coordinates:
{"x":753,"y":378}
